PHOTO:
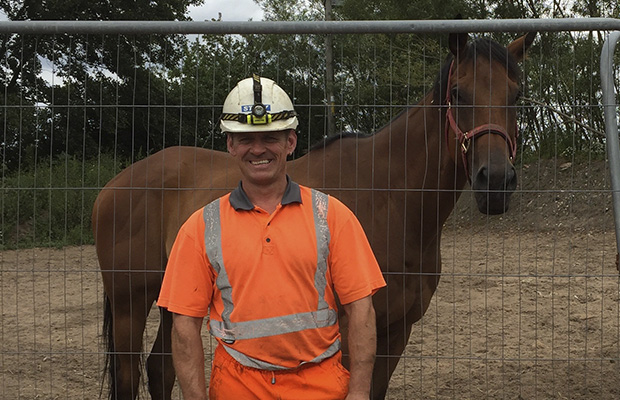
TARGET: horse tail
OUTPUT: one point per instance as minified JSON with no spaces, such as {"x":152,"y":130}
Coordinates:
{"x":109,"y":367}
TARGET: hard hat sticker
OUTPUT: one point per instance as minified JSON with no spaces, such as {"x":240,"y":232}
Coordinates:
{"x":248,"y":108}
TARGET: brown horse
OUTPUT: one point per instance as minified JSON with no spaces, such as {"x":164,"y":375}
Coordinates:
{"x":402,"y":183}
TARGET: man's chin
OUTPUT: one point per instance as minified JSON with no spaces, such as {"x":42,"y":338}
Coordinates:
{"x":265,"y":178}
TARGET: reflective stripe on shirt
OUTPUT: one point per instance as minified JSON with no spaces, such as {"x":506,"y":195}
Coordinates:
{"x":259,"y":364}
{"x":230,"y":331}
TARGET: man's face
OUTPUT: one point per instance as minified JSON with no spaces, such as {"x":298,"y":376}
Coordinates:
{"x":261,"y":156}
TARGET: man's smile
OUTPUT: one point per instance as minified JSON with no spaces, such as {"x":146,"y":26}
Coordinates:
{"x":260,"y":162}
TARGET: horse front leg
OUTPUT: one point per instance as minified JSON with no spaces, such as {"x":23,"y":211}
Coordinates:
{"x":392,"y":340}
{"x":391,"y":343}
{"x":159,"y":366}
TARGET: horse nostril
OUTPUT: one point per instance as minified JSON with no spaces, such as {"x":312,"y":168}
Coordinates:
{"x":511,"y":178}
{"x":506,"y":179}
{"x":482,"y":178}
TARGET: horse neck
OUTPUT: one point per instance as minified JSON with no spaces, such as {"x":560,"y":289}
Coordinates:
{"x":408,"y":153}
{"x":415,"y":142}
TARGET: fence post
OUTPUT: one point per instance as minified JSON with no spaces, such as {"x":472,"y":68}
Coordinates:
{"x":611,"y":128}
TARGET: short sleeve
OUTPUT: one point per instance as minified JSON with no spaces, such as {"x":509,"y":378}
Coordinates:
{"x":187,"y":287}
{"x":353,"y":266}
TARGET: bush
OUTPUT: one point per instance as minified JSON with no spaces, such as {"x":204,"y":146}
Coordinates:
{"x":50,"y":204}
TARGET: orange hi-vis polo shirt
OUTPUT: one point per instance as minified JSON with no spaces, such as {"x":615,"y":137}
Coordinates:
{"x":266,"y":280}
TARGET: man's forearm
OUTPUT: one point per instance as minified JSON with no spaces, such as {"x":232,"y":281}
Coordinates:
{"x":188,"y":357}
{"x":362,"y":338}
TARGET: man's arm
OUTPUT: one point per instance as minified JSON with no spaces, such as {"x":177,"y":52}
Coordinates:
{"x":188,"y":356}
{"x":362,"y":339}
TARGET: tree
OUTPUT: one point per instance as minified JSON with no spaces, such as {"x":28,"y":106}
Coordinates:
{"x":111,"y":71}
{"x":559,"y":108}
{"x":135,"y":95}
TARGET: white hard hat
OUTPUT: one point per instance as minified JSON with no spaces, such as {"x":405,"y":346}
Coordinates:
{"x":255,"y":105}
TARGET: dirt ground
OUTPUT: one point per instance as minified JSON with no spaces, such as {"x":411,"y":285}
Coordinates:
{"x":527,"y":306}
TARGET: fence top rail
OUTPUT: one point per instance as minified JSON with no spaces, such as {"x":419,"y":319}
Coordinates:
{"x":308,"y":27}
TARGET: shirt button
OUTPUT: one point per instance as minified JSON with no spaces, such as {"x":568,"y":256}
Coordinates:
{"x":268,"y":240}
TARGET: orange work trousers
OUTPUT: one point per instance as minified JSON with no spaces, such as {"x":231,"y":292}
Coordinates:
{"x":327,"y":380}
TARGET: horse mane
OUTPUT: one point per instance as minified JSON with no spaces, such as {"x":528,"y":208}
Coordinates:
{"x":334,"y":138}
{"x":481,"y":47}
{"x":351,"y":135}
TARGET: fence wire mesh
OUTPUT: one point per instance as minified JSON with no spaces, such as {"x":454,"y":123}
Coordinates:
{"x":527,"y":304}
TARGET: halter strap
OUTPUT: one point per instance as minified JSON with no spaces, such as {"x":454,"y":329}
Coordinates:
{"x":465,"y":138}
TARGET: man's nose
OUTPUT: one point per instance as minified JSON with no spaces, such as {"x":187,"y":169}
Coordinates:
{"x":257,"y":147}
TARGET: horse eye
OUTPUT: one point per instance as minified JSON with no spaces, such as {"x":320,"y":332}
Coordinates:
{"x":454,"y":94}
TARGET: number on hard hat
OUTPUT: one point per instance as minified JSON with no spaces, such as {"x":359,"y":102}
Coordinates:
{"x":257,"y":104}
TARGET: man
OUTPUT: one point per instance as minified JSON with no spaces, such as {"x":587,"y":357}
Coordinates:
{"x":263,"y":262}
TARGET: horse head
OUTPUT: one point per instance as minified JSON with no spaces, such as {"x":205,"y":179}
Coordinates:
{"x":481,"y":92}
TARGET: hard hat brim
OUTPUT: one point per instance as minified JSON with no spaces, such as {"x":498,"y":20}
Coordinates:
{"x":236,"y":127}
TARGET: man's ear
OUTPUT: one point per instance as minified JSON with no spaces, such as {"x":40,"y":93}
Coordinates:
{"x":229,"y":144}
{"x":291,"y":141}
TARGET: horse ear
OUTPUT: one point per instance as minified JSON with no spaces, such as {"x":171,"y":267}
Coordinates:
{"x":458,"y":43}
{"x":519,"y":46}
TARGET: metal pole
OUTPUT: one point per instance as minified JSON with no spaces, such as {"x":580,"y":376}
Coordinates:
{"x":329,"y":72}
{"x":611,"y":128}
{"x":309,"y":27}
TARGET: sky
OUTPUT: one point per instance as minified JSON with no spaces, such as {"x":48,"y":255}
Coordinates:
{"x":237,"y":10}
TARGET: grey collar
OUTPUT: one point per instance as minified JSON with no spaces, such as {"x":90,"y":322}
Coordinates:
{"x":240,"y":201}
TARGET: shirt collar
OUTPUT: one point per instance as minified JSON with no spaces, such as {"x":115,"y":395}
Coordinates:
{"x":239,"y":199}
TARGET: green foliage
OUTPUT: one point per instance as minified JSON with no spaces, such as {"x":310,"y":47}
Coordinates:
{"x":126,"y":97}
{"x":561,"y":110}
{"x":406,"y":10}
{"x":50,"y":203}
{"x":108,"y":76}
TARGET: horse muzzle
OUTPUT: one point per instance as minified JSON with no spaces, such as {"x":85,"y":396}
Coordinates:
{"x":493,"y":186}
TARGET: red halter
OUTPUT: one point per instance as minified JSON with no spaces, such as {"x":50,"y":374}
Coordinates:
{"x":465,"y":138}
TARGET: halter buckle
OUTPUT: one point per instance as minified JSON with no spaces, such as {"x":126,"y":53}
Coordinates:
{"x":465,"y":144}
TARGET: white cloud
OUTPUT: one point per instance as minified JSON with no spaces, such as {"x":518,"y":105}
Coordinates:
{"x":238,"y":10}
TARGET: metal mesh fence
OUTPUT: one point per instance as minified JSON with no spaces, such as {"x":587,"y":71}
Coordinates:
{"x":527,"y":304}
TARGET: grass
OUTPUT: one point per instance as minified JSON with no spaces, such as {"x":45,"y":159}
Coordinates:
{"x":49,"y":204}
